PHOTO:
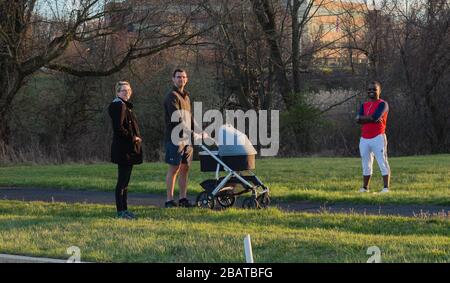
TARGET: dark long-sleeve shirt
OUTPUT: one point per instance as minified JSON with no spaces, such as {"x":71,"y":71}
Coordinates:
{"x":177,"y":101}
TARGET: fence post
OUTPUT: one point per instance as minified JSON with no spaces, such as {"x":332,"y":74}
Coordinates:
{"x":248,"y":249}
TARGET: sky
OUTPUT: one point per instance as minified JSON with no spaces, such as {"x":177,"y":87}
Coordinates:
{"x":62,"y":8}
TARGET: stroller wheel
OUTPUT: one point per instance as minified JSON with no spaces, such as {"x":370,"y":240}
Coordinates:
{"x":205,"y":200}
{"x":263,"y":200}
{"x":226,"y":198}
{"x":250,"y":203}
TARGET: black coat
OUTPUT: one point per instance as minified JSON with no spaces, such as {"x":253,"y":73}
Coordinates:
{"x":124,"y":151}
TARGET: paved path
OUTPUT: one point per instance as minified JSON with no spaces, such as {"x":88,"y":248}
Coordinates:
{"x":94,"y":197}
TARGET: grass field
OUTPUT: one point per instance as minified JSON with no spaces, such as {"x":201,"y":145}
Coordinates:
{"x":415,"y":180}
{"x":196,"y":235}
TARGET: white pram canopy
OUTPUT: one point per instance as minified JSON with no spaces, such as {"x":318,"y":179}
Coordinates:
{"x":233,"y":142}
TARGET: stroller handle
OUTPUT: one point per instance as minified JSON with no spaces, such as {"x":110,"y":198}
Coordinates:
{"x":211,"y":139}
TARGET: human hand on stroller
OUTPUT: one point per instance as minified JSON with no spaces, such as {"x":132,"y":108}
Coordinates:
{"x":208,"y":137}
{"x":197,"y":137}
{"x":203,"y":135}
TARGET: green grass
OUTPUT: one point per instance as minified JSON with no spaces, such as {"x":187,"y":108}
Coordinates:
{"x":197,"y":235}
{"x":415,"y":180}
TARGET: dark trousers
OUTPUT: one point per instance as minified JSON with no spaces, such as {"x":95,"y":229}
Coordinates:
{"x":123,"y":179}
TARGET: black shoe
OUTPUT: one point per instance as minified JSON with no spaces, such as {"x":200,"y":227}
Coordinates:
{"x":130,"y":214}
{"x":185,"y":203}
{"x":170,"y":204}
{"x":123,"y":215}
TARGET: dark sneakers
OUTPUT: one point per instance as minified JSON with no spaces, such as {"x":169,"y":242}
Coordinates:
{"x":130,"y":214}
{"x":170,"y":204}
{"x":185,"y":203}
{"x":181,"y":203}
{"x":125,"y":215}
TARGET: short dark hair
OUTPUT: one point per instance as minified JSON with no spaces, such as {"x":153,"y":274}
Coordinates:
{"x":377,"y":83}
{"x":178,"y":71}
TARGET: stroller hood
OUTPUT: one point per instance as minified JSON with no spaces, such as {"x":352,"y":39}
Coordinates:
{"x":234,"y":143}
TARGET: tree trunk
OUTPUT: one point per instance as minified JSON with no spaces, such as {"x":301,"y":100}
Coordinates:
{"x":4,"y":130}
{"x":296,"y":46}
{"x":12,"y":24}
{"x":10,"y":82}
{"x":266,"y":18}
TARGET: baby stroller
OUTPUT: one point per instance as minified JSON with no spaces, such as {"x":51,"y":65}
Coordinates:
{"x":236,"y":157}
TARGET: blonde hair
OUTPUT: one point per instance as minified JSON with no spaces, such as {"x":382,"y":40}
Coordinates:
{"x":119,"y":86}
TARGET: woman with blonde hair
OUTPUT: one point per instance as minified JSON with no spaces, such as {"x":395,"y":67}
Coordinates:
{"x":126,"y":147}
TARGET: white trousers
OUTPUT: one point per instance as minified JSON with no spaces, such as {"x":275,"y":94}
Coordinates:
{"x":377,"y":147}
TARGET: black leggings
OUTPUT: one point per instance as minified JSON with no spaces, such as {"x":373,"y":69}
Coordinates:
{"x":122,"y":186}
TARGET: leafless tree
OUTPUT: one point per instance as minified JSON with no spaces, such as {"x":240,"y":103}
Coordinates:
{"x":84,"y":38}
{"x":423,"y":42}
